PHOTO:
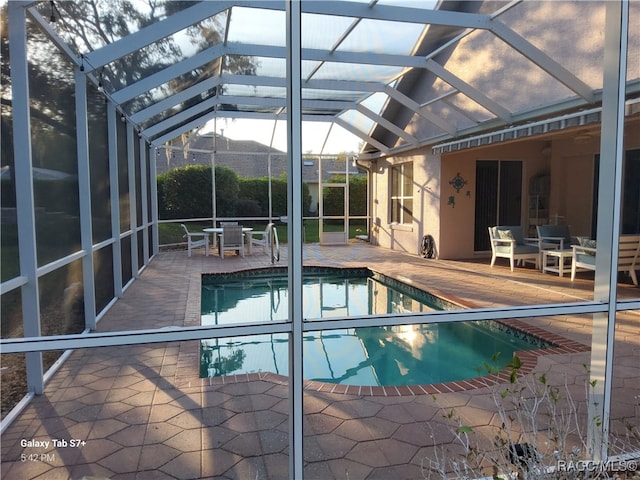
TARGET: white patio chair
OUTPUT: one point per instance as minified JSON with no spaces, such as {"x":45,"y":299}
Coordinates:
{"x":508,"y":242}
{"x":195,"y":240}
{"x":263,"y":239}
{"x":231,"y":239}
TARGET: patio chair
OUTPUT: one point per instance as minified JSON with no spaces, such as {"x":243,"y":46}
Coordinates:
{"x":196,"y":239}
{"x":231,"y":239}
{"x":263,"y":239}
{"x":584,"y":256}
{"x":554,"y":237}
{"x":508,"y":242}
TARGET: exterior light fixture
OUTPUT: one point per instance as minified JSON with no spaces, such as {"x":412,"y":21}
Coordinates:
{"x":52,"y":18}
{"x":123,"y":118}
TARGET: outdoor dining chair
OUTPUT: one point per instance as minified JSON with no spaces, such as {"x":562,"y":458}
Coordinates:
{"x":196,"y":239}
{"x":231,"y":240}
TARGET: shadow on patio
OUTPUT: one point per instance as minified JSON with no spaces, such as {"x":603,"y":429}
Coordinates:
{"x":142,"y":412}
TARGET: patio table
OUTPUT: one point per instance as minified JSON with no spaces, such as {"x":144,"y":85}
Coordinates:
{"x":559,"y":257}
{"x":247,"y":231}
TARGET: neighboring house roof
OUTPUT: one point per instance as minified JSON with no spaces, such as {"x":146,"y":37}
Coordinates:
{"x":248,"y":158}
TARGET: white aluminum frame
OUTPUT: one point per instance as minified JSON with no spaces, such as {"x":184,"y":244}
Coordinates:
{"x":605,"y":304}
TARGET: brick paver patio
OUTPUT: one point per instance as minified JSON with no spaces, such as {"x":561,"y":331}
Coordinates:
{"x":142,"y":413}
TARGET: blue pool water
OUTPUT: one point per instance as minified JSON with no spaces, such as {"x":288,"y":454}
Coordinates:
{"x":400,"y":355}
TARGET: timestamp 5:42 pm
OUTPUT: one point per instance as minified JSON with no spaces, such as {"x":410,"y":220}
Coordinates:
{"x":37,"y":457}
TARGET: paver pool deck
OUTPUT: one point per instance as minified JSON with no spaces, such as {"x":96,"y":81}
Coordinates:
{"x":144,"y":414}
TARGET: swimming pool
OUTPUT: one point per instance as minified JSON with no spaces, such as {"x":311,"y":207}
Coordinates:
{"x":382,"y":356}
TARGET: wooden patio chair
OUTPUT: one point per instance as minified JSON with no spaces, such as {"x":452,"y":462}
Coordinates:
{"x":584,"y":256}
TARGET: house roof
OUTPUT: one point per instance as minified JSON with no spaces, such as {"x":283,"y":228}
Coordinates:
{"x":249,"y":159}
{"x":399,"y":75}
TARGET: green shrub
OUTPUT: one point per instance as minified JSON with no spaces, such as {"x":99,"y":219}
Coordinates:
{"x":186,"y":192}
{"x":333,"y":200}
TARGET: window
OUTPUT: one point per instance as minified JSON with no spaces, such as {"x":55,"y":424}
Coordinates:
{"x":401,"y":194}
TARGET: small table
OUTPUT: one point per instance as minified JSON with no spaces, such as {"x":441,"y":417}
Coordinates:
{"x":558,"y":263}
{"x":248,"y":231}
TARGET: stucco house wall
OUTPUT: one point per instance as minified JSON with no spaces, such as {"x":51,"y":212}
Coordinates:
{"x":458,"y":209}
{"x":426,"y":202}
{"x":449,"y":215}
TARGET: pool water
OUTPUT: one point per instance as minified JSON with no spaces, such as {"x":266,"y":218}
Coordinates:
{"x":385,"y":356}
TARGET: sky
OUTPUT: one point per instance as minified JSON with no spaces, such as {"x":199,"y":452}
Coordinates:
{"x":313,"y":134}
{"x":324,"y":32}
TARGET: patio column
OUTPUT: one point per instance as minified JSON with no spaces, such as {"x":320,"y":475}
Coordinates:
{"x":25,"y":204}
{"x":608,"y":228}
{"x":114,"y":197}
{"x":144,"y":176}
{"x":133,"y":210}
{"x":294,"y":226}
{"x":84,"y":192}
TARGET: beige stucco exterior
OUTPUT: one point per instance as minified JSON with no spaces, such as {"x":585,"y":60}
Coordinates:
{"x":439,"y":210}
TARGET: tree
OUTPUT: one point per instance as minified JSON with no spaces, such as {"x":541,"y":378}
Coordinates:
{"x":186,"y":192}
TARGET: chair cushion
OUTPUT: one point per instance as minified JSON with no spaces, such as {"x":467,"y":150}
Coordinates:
{"x":524,"y":249}
{"x":587,"y":258}
{"x":505,"y":235}
{"x":516,"y":232}
{"x":587,"y":242}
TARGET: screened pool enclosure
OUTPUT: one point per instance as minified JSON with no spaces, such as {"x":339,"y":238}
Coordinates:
{"x":93,"y":90}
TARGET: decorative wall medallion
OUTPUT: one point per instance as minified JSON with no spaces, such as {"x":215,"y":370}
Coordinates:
{"x":458,"y":182}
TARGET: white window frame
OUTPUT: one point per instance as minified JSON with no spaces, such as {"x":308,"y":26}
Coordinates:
{"x":401,"y":197}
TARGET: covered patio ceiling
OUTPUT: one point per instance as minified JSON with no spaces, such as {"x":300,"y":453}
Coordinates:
{"x":172,"y":66}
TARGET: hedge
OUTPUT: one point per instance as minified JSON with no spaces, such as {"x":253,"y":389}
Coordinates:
{"x":186,"y":193}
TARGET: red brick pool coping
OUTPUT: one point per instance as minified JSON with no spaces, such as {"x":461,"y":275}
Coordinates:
{"x":529,"y":359}
{"x":189,"y":357}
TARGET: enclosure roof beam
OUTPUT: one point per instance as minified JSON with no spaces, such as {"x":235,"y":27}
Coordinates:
{"x":202,"y":10}
{"x":226,"y":79}
{"x":187,"y":127}
{"x":53,"y":35}
{"x":167,"y":74}
{"x":471,"y":92}
{"x":423,"y":112}
{"x":383,"y":122}
{"x":211,"y":54}
{"x":264,"y":102}
{"x":397,"y":14}
{"x":159,"y":30}
{"x":368,"y":139}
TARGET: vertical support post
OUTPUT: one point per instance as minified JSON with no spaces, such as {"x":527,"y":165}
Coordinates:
{"x":114,"y":197}
{"x":608,"y":229}
{"x":84,"y":192}
{"x":153,"y":174}
{"x":214,"y":211}
{"x":143,"y":197}
{"x":25,"y":203}
{"x":133,"y":210}
{"x":269,"y":173}
{"x":294,"y":225}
